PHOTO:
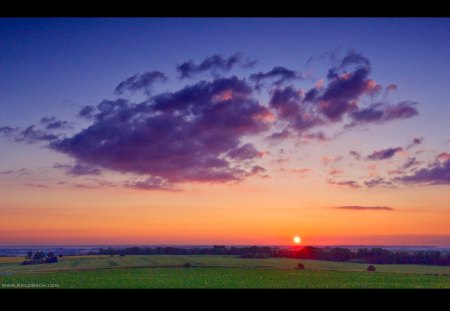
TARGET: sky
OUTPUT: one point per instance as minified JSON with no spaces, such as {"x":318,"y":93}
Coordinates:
{"x":224,"y":131}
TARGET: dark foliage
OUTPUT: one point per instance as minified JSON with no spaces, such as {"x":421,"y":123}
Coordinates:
{"x":39,"y":258}
{"x":364,"y":255}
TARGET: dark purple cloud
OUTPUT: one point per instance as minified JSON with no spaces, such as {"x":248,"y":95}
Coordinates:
{"x":278,"y":75}
{"x":380,"y":113}
{"x":345,"y":87}
{"x":280,"y":135}
{"x":377,"y":182}
{"x":256,"y":170}
{"x":178,"y":137}
{"x":87,"y":112}
{"x":345,"y":183}
{"x":78,"y":169}
{"x":402,"y":110}
{"x":383,"y":154}
{"x":319,"y":136}
{"x":288,"y":105}
{"x":415,"y":141}
{"x":365,"y":208}
{"x":138,"y":82}
{"x":411,"y":162}
{"x":438,"y":173}
{"x":52,"y":123}
{"x":7,"y":130}
{"x":152,"y":183}
{"x":347,"y":84}
{"x":247,"y":151}
{"x":32,"y":135}
{"x":8,"y":172}
{"x":29,"y":135}
{"x":355,"y":154}
{"x":391,"y":87}
{"x":214,"y":63}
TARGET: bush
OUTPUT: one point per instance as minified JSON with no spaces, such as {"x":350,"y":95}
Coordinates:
{"x":300,"y":266}
{"x":187,"y":265}
{"x":371,"y":268}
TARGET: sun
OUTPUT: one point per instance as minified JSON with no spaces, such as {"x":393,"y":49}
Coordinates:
{"x":297,"y":239}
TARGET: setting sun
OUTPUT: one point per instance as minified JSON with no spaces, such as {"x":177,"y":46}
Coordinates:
{"x":297,"y":240}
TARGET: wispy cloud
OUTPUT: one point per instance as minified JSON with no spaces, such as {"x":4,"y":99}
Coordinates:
{"x":365,"y":208}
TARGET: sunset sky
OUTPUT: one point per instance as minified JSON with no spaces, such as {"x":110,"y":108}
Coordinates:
{"x":224,"y":131}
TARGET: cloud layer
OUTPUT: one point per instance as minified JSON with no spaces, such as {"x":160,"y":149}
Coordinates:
{"x":365,"y":208}
{"x":203,"y":131}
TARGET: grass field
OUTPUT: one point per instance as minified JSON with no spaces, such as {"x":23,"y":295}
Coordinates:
{"x":165,"y":271}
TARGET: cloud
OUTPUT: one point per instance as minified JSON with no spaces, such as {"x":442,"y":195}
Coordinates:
{"x":143,"y":81}
{"x":247,"y":151}
{"x":355,"y":154}
{"x":87,"y":112}
{"x":319,"y":136}
{"x":438,"y":173}
{"x":380,"y":113}
{"x":335,"y":171}
{"x":377,"y":182}
{"x":197,"y":133}
{"x":7,"y":130}
{"x":300,"y":171}
{"x":411,"y":162}
{"x":325,"y":160}
{"x":365,"y":208}
{"x":383,"y":154}
{"x":213,"y":63}
{"x":177,"y":137}
{"x":152,"y":183}
{"x":346,"y":183}
{"x":391,"y":87}
{"x":22,"y":171}
{"x":289,"y":107}
{"x":278,"y":75}
{"x":280,"y":135}
{"x":28,"y":135}
{"x":37,"y":185}
{"x":31,"y":135}
{"x":51,"y":123}
{"x":257,"y":170}
{"x":78,"y":169}
{"x":344,"y":87}
{"x":415,"y":141}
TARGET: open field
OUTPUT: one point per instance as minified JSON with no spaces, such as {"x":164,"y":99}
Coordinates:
{"x":165,"y":271}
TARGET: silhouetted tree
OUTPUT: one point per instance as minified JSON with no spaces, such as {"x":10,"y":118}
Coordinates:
{"x":29,"y":255}
{"x":300,"y":266}
{"x":39,"y":255}
{"x":371,"y":268}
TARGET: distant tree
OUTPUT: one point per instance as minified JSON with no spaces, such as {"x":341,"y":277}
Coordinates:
{"x":371,"y":268}
{"x":300,"y":266}
{"x":187,"y":265}
{"x":50,"y":255}
{"x":39,"y":255}
{"x":60,"y":255}
{"x":29,"y":255}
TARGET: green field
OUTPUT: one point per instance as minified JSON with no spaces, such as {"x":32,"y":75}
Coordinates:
{"x":164,"y":271}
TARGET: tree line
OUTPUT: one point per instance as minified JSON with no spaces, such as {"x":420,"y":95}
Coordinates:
{"x":362,"y":255}
{"x":40,"y":257}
